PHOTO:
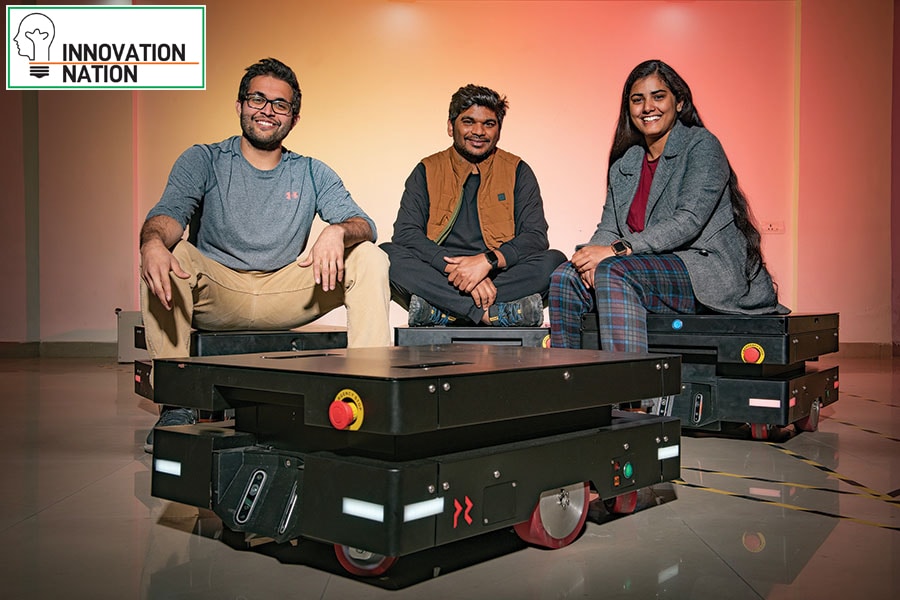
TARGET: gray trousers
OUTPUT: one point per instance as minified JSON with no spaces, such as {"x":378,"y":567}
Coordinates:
{"x":410,"y":275}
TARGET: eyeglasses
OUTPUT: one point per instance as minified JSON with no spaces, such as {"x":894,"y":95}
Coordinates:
{"x":258,"y":102}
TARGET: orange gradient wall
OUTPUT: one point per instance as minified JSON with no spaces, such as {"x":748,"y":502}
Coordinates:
{"x":377,"y":76}
{"x":845,"y":167}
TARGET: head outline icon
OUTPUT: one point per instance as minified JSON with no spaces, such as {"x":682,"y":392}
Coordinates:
{"x":36,"y":33}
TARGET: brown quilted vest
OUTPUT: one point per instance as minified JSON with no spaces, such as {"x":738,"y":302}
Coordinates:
{"x":447,"y":171}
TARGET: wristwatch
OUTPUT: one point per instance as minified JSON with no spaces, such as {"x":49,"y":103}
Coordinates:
{"x":620,"y":247}
{"x":491,"y":257}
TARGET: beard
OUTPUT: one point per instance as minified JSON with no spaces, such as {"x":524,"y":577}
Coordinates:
{"x":267,"y":143}
{"x":472,"y":158}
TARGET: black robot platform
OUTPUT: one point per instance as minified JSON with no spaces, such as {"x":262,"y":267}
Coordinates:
{"x":736,"y":369}
{"x":389,"y":452}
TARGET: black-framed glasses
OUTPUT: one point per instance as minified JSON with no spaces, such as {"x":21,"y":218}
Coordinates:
{"x":258,"y":102}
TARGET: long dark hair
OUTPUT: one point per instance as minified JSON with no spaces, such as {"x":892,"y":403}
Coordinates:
{"x":627,"y":136}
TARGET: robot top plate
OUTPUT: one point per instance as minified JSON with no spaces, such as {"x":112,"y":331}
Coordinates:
{"x":415,"y":362}
{"x":406,"y":390}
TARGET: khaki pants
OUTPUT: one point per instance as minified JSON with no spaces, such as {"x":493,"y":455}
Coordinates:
{"x":217,"y":298}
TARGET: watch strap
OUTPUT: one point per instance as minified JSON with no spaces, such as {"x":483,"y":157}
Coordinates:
{"x":620,"y":247}
{"x":491,"y":257}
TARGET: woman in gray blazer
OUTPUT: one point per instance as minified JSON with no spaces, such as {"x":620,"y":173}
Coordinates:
{"x":675,"y":236}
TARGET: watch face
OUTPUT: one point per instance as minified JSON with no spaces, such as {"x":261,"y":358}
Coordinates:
{"x":619,"y":247}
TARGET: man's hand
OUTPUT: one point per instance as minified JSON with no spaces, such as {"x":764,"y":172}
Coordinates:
{"x":156,"y":264}
{"x":327,"y":257}
{"x":466,"y":272}
{"x":586,"y":259}
{"x":484,"y":294}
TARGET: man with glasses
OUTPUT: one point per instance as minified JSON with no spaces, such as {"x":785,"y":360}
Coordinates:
{"x":251,"y":267}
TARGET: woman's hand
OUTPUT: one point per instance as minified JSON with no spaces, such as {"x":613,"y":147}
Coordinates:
{"x":586,"y":259}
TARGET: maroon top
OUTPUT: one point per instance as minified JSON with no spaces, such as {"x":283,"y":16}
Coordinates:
{"x":637,"y":214}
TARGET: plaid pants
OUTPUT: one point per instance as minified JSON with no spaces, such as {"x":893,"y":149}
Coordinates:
{"x":626,"y":288}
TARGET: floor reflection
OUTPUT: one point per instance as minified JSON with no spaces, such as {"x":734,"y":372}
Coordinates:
{"x":812,"y":515}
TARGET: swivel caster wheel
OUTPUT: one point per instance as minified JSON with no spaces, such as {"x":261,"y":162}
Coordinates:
{"x":622,"y":505}
{"x":811,"y":421}
{"x":761,"y":431}
{"x":362,"y":562}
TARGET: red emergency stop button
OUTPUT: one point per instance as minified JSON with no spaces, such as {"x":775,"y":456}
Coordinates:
{"x":342,"y":414}
{"x":346,"y":411}
{"x":753,"y":354}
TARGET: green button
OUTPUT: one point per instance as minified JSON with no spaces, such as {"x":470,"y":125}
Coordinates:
{"x":628,"y":470}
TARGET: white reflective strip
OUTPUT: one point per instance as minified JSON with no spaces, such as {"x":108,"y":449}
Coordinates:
{"x":420,"y":510}
{"x":169,"y":467}
{"x":765,"y":403}
{"x":765,"y":492}
{"x":363,"y":509}
{"x":668,"y":452}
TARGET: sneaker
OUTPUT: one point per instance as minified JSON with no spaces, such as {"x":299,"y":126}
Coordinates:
{"x":170,"y":416}
{"x":524,"y":312}
{"x":422,"y":314}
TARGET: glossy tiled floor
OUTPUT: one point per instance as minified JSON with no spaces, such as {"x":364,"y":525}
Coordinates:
{"x":813,"y":516}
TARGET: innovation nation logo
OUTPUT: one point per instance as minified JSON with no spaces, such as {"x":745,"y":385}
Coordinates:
{"x":106,"y":47}
{"x":33,"y":41}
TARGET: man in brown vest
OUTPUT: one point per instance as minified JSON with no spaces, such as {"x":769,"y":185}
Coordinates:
{"x":470,"y":241}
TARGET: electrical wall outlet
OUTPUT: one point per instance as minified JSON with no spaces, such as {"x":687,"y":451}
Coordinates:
{"x":771,"y":227}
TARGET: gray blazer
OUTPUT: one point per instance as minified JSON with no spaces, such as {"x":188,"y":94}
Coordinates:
{"x":689,"y":215}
